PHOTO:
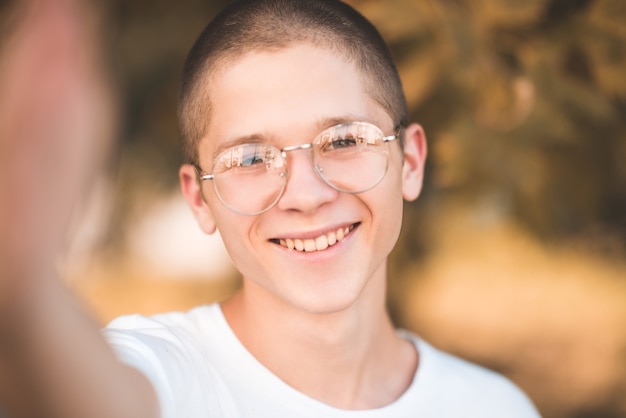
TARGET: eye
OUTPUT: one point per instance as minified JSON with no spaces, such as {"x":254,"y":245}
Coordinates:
{"x":246,"y":157}
{"x":338,"y":143}
{"x":251,"y":159}
{"x":343,"y":142}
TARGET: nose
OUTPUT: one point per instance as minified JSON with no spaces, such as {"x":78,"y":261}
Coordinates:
{"x":305,"y":191}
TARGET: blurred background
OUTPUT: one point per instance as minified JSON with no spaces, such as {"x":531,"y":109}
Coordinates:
{"x":515,"y":254}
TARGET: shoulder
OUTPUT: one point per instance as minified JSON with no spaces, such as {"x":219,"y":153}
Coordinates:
{"x":458,"y":386}
{"x":167,"y":338}
{"x":168,"y":349}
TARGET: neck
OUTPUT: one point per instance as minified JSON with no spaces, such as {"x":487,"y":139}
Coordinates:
{"x":350,"y":358}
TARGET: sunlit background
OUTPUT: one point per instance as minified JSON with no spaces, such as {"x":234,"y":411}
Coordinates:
{"x":513,"y":257}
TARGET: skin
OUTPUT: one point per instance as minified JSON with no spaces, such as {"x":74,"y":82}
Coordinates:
{"x":55,"y":126}
{"x":325,"y":310}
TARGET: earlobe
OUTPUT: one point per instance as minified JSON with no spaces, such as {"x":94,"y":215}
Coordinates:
{"x":414,"y":161}
{"x":192,"y":192}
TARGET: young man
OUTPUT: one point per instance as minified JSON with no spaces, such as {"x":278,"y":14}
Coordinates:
{"x":298,"y":150}
{"x":299,"y":153}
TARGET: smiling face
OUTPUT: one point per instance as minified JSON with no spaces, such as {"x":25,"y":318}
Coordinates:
{"x":317,"y":249}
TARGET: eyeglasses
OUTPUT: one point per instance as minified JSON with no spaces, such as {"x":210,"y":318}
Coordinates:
{"x":249,"y":179}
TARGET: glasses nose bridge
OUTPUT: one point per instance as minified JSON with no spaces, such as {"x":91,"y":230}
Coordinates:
{"x":285,"y":150}
{"x":311,"y":148}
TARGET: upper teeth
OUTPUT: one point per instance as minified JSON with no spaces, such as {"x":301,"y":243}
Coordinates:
{"x":316,"y":244}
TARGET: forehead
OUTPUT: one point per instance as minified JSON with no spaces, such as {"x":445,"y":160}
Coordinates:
{"x":286,"y":95}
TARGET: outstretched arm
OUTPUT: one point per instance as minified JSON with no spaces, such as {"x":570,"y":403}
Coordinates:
{"x":56,"y":114}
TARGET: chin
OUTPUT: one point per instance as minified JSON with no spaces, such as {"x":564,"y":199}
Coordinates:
{"x":327,"y":303}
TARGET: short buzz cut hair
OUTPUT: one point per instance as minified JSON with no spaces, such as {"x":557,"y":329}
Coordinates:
{"x":270,"y":25}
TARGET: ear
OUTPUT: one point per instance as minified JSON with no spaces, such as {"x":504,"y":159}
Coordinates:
{"x":414,"y":161}
{"x":192,"y":190}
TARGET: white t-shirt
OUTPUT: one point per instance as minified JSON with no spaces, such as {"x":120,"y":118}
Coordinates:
{"x":200,"y":369}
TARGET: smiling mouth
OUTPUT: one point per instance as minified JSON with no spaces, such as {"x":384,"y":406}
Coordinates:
{"x":315,"y":244}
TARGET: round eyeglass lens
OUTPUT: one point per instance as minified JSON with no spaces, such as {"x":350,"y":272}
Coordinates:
{"x":250,"y":178}
{"x":351,"y":157}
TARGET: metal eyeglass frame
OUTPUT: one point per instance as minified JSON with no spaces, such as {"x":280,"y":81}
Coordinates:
{"x":283,"y":152}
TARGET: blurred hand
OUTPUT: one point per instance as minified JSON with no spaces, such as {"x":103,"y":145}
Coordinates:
{"x":56,"y":118}
{"x":55,"y":128}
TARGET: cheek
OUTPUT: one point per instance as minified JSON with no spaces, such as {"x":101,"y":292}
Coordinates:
{"x":392,"y":222}
{"x":392,"y":205}
{"x":237,"y":232}
{"x":230,"y":229}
